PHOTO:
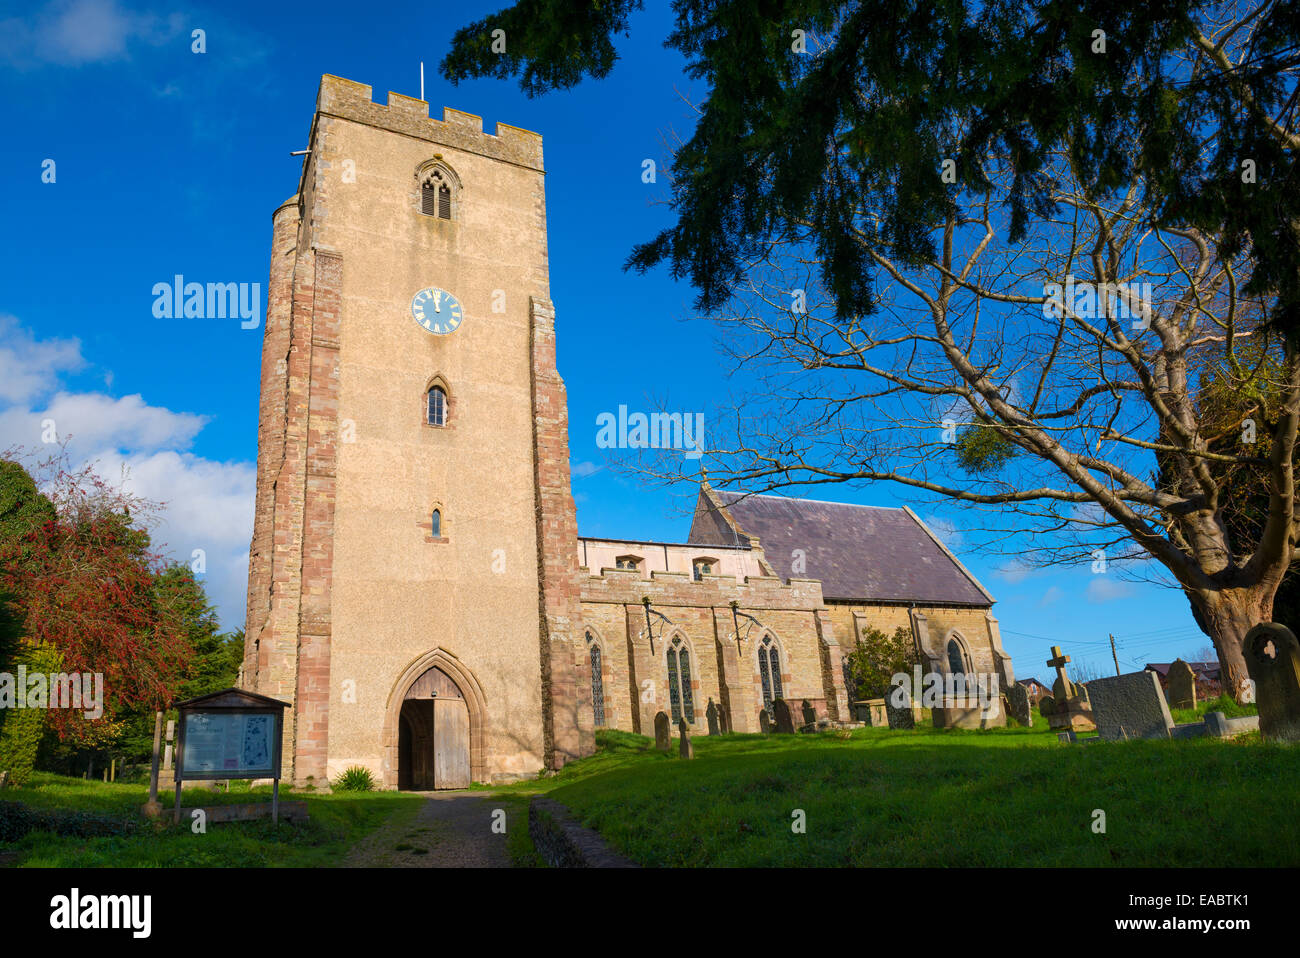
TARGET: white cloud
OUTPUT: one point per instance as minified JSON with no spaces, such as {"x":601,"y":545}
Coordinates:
{"x":145,"y":449}
{"x":95,"y":420}
{"x":581,"y":470}
{"x":207,"y":505}
{"x":29,"y":368}
{"x":1104,"y":588}
{"x":77,"y":32}
{"x":1053,"y":594}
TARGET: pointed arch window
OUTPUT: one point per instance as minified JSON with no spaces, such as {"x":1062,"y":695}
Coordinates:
{"x":680,"y":697}
{"x":769,"y":672}
{"x":436,"y":523}
{"x":956,"y":658}
{"x":439,"y":186}
{"x":597,"y":682}
{"x":436,"y":414}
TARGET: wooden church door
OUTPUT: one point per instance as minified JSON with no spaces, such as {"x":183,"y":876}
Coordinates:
{"x":450,"y":743}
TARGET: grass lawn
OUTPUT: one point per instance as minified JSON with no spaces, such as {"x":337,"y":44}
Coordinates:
{"x":871,"y":798}
{"x":336,"y":822}
{"x":880,"y":798}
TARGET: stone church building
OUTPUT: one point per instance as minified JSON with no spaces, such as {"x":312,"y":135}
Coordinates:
{"x":418,"y":591}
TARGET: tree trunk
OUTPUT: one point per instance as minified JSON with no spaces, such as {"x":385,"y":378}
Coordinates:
{"x":1226,"y":617}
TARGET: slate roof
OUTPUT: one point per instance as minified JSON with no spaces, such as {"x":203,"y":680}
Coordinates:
{"x":1203,"y":670}
{"x":860,"y":553}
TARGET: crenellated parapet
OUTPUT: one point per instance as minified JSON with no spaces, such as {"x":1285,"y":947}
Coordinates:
{"x":710,"y":591}
{"x":353,"y":101}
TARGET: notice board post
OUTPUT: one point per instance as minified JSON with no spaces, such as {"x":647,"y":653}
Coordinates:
{"x":230,"y":734}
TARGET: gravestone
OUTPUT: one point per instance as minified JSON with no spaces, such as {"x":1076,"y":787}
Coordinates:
{"x":1130,"y":706}
{"x":1068,"y":707}
{"x":809,"y":713}
{"x":1181,"y":690}
{"x":686,"y":750}
{"x":899,"y":717}
{"x":711,"y":713}
{"x":783,"y":720}
{"x":764,"y":722}
{"x":661,"y":731}
{"x":1018,"y":705}
{"x":876,"y":716}
{"x":1273,"y":660}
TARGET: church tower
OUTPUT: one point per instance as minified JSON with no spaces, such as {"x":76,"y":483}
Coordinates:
{"x":413,"y":575}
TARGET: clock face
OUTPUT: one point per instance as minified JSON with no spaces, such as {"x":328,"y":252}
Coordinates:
{"x":436,"y":310}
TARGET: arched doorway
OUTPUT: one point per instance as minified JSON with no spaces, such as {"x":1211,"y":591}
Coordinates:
{"x":433,"y":737}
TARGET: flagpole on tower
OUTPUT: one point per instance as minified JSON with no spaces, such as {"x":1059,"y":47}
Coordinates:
{"x":421,"y":79}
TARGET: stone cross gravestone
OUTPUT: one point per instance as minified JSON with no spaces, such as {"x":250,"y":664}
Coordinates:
{"x":1181,"y":690}
{"x":764,"y":722}
{"x":1130,"y":706}
{"x":711,"y":713}
{"x":784,"y":721}
{"x":686,"y":750}
{"x":661,"y":731}
{"x":1018,"y":705}
{"x":1068,"y":706}
{"x":1273,"y":660}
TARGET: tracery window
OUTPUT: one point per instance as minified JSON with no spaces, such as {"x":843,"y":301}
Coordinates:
{"x":680,"y":697}
{"x":769,"y":672}
{"x":597,"y":682}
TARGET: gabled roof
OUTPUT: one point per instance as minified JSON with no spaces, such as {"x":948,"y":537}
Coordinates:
{"x":860,"y":553}
{"x":1203,"y":670}
{"x":232,"y":699}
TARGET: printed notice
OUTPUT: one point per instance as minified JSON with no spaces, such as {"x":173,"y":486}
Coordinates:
{"x":229,"y":742}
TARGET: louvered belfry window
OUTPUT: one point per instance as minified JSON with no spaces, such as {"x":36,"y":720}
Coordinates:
{"x":435,"y":196}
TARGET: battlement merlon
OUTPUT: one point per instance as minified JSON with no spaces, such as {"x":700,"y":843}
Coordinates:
{"x":353,"y":101}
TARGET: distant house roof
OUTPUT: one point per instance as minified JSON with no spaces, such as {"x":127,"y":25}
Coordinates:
{"x":1031,"y":681}
{"x":1203,"y":670}
{"x":860,"y":553}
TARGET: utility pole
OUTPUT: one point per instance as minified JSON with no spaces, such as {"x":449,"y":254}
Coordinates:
{"x":1113,"y":655}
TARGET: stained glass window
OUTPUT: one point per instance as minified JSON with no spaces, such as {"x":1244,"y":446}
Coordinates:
{"x":597,"y":683}
{"x":956,"y":661}
{"x":680,"y":698}
{"x":769,"y":672}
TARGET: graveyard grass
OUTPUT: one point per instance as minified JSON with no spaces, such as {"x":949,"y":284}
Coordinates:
{"x":874,"y":797}
{"x":1013,"y":797}
{"x":336,"y":822}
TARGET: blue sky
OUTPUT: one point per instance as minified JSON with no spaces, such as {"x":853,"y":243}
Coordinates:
{"x":167,"y":161}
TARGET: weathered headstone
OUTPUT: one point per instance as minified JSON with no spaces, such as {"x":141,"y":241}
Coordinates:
{"x":711,"y":713}
{"x":764,"y":722}
{"x":661,"y":731}
{"x":1181,"y":691}
{"x":1018,"y":706}
{"x":1273,"y":660}
{"x":783,"y":720}
{"x":1130,"y":706}
{"x":876,"y":716}
{"x":809,"y":713}
{"x":686,"y":750}
{"x":903,"y":717}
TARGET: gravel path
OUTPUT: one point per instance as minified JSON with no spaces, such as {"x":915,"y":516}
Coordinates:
{"x":451,"y":830}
